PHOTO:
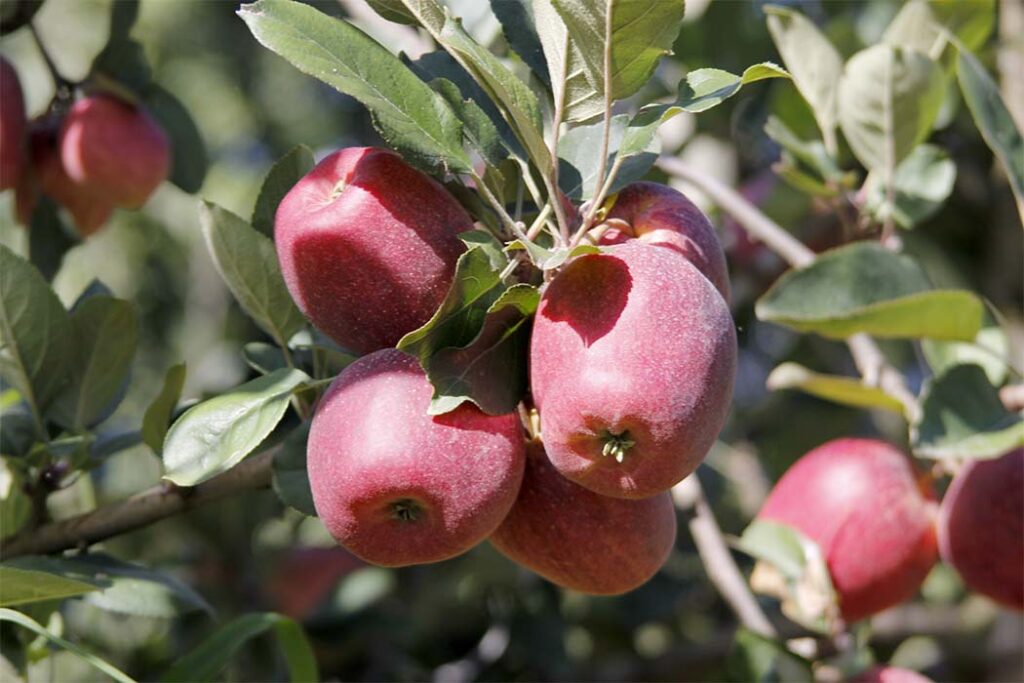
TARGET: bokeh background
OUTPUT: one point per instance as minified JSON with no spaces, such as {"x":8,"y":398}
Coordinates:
{"x":479,"y":616}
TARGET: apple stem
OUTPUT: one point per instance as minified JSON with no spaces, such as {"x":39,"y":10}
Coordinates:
{"x":616,"y":445}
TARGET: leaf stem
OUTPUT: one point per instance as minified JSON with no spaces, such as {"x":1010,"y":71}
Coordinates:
{"x":607,"y":130}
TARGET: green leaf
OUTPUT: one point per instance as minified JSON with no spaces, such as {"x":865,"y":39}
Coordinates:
{"x":845,"y":390}
{"x":921,"y":184}
{"x":757,"y":659}
{"x":215,"y":435}
{"x":962,"y":417}
{"x":17,"y":427}
{"x":106,"y":332}
{"x":290,"y":480}
{"x":479,"y":131}
{"x":549,"y":259}
{"x":122,"y":68}
{"x":701,"y":90}
{"x":123,"y":15}
{"x":993,"y":119}
{"x":205,"y":662}
{"x":989,"y":350}
{"x":571,"y":82}
{"x":264,"y":358}
{"x":35,"y":333}
{"x":520,"y":30}
{"x":490,"y":371}
{"x":15,"y":504}
{"x":49,"y":238}
{"x":91,"y":659}
{"x":812,"y":60}
{"x":158,"y":414}
{"x":17,"y":13}
{"x":889,"y":98}
{"x":26,"y":580}
{"x":392,"y":10}
{"x":579,"y":152}
{"x":457,"y":321}
{"x":810,"y":153}
{"x":921,"y":25}
{"x":411,"y":117}
{"x":189,"y":159}
{"x":636,"y":34}
{"x":248,"y":263}
{"x":864,"y":287}
{"x":287,"y":171}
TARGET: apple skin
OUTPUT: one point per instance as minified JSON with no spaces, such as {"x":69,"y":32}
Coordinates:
{"x":302,"y":579}
{"x":890,"y":674}
{"x":633,"y":342}
{"x":981,"y":527}
{"x":88,"y":211}
{"x":861,"y":501}
{"x":13,"y":127}
{"x":582,"y":540}
{"x":368,"y":246}
{"x":396,"y":486}
{"x":658,"y":214}
{"x":115,"y":149}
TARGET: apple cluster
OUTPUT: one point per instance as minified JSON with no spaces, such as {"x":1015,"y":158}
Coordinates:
{"x":102,"y":153}
{"x":632,"y":359}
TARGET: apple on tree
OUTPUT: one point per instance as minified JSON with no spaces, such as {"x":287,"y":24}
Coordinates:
{"x":13,"y":127}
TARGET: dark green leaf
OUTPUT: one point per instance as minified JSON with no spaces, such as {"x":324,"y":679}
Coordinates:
{"x":206,"y":661}
{"x":392,"y":10}
{"x":188,"y":152}
{"x":15,"y":504}
{"x":888,"y":101}
{"x":480,"y":132}
{"x":288,"y":170}
{"x":17,"y":428}
{"x":106,"y":332}
{"x":921,"y":184}
{"x":49,"y":238}
{"x":248,"y":263}
{"x":993,"y":119}
{"x":962,"y":417}
{"x":411,"y":117}
{"x":123,"y":69}
{"x":215,"y":435}
{"x":864,"y":287}
{"x":264,"y":358}
{"x":757,"y":659}
{"x":91,"y":659}
{"x":290,"y":480}
{"x":35,"y":333}
{"x":17,"y":13}
{"x":107,"y":444}
{"x":123,"y":15}
{"x":520,"y":29}
{"x":158,"y":414}
{"x":845,"y":390}
{"x":490,"y":371}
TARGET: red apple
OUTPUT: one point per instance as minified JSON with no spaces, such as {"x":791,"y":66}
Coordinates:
{"x":861,"y":501}
{"x":115,"y":149}
{"x":302,"y":579}
{"x":583,"y":540}
{"x":368,"y":246}
{"x":658,"y":214}
{"x":981,"y":527}
{"x":397,"y":486}
{"x":12,"y":127}
{"x":890,"y":674}
{"x":632,"y":361}
{"x":87,"y":209}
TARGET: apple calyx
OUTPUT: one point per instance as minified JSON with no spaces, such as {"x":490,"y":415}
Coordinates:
{"x":616,"y":445}
{"x":406,"y":510}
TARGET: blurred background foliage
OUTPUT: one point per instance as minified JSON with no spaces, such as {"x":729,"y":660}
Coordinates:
{"x":479,"y":616}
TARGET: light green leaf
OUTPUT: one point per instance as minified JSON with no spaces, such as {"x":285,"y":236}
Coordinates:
{"x":15,"y":505}
{"x":248,"y":263}
{"x":993,"y":119}
{"x":106,"y":332}
{"x":989,"y":350}
{"x":411,"y":117}
{"x":864,"y":287}
{"x":36,"y":338}
{"x":812,"y":60}
{"x":579,"y":152}
{"x":888,"y":100}
{"x":921,"y":25}
{"x":215,"y":435}
{"x":290,"y":479}
{"x":519,"y":26}
{"x":549,"y":259}
{"x":962,"y":417}
{"x":205,"y":662}
{"x":158,"y":414}
{"x":26,"y":580}
{"x":810,"y":153}
{"x":921,"y":184}
{"x":91,"y":659}
{"x":392,"y":10}
{"x":282,"y":176}
{"x":845,"y":390}
{"x":571,"y":82}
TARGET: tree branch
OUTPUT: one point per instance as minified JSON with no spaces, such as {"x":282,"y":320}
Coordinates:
{"x":138,"y":511}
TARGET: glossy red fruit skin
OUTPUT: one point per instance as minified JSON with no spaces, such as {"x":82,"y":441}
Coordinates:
{"x":372,"y":444}
{"x":13,"y":127}
{"x":88,"y":211}
{"x":634,"y":339}
{"x":861,"y":501}
{"x":661,"y":215}
{"x":368,"y":246}
{"x":582,"y":540}
{"x":891,"y":674}
{"x":981,"y":527}
{"x":115,"y":149}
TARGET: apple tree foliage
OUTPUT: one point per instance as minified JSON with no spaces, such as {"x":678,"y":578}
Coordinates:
{"x":559,"y":107}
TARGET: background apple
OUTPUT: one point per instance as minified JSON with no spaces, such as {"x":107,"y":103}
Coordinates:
{"x":12,"y":126}
{"x":88,"y":209}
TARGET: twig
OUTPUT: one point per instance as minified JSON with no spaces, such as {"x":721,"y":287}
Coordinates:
{"x":714,"y":553}
{"x":138,"y":511}
{"x":866,"y":355}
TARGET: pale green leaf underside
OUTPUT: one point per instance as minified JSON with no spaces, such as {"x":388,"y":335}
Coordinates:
{"x":844,"y":390}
